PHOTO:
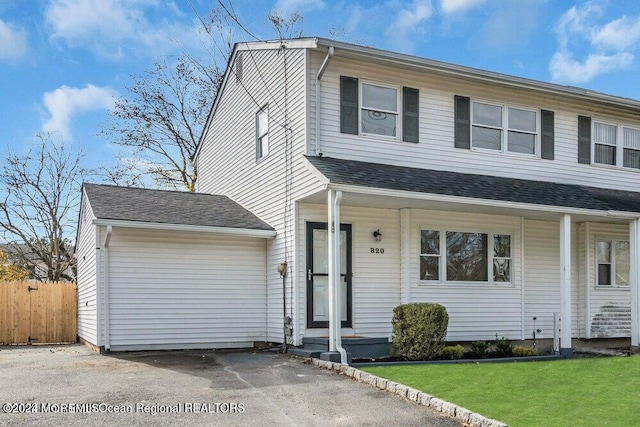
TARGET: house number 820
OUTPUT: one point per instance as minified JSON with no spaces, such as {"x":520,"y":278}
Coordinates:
{"x":377,"y":250}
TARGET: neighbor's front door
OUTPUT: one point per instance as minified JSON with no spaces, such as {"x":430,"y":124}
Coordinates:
{"x":318,"y":275}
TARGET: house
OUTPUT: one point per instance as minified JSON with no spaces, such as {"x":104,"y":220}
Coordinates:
{"x":386,"y":178}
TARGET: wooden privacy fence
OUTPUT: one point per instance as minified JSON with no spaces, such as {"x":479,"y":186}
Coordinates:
{"x":38,"y":313}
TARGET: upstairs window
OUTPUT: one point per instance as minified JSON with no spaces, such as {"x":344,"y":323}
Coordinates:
{"x":631,"y":147}
{"x":611,"y":144}
{"x":612,"y":258}
{"x":506,"y":129}
{"x":380,"y":110}
{"x":262,"y":132}
{"x":605,"y":143}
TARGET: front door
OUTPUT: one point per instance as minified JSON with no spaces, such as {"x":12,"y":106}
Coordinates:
{"x":318,"y":275}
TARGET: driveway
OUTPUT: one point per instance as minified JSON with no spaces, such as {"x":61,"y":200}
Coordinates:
{"x":71,"y":385}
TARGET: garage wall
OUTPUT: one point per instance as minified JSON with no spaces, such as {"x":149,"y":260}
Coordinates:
{"x":173,"y":290}
{"x":87,"y":278}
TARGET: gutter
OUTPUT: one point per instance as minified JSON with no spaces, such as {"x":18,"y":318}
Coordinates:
{"x":323,"y":68}
{"x":246,"y":232}
{"x":107,"y":311}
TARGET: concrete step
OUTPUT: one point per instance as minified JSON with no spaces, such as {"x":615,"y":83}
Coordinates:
{"x":305,"y":352}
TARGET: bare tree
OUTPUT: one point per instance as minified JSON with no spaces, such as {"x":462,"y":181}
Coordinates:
{"x":40,"y":196}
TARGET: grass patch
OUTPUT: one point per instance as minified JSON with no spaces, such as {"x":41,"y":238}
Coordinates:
{"x":576,"y":392}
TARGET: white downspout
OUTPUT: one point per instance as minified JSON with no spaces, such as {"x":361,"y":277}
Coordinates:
{"x":321,"y":71}
{"x":337,"y":280}
{"x":107,"y":312}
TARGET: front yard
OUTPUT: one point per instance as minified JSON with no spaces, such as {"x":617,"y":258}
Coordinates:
{"x":578,"y":392}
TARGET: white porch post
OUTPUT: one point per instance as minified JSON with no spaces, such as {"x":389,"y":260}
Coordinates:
{"x":634,"y":282}
{"x":405,"y":255}
{"x":331,"y":225}
{"x":565,"y":285}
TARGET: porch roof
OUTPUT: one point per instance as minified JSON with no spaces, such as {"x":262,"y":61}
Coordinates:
{"x":474,"y":186}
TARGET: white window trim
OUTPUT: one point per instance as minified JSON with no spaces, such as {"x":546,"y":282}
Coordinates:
{"x":619,"y":144}
{"x":612,"y":241}
{"x":398,"y":113}
{"x":443,"y":257}
{"x":260,"y":155}
{"x":504,"y":149}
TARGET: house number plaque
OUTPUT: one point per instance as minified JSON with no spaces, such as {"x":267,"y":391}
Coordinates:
{"x":377,"y":251}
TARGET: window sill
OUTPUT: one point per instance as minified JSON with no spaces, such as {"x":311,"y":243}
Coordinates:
{"x":508,"y":154}
{"x":612,"y":288}
{"x":262,"y":159}
{"x":381,"y":138}
{"x":466,"y":284}
{"x":615,"y":167}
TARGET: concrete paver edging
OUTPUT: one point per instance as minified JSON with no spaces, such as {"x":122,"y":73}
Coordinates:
{"x":458,"y":412}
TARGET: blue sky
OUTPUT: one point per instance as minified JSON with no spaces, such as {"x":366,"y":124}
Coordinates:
{"x":64,"y":62}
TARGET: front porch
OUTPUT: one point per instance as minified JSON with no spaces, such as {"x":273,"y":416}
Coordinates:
{"x":356,"y":347}
{"x":551,"y":255}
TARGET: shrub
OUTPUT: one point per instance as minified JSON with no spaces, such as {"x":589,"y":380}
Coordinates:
{"x":479,"y":349}
{"x":521,"y":351}
{"x":503,"y":347}
{"x":419,"y":330}
{"x":453,"y":352}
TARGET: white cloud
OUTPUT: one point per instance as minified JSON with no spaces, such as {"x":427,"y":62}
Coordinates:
{"x":13,"y":42}
{"x":606,"y":48}
{"x":455,"y":6}
{"x":577,"y":22}
{"x":564,"y":68}
{"x":65,"y":102}
{"x":620,"y":34}
{"x":291,"y":6}
{"x":407,"y":23}
{"x":114,"y":28}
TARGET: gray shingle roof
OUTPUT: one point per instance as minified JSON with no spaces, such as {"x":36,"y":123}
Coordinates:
{"x":169,"y":207}
{"x":485,"y":187}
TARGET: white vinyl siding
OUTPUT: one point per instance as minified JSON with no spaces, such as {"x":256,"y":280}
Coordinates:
{"x":436,"y":123}
{"x":542,"y":276}
{"x":171,"y":290}
{"x":227,"y":163}
{"x":87,"y":277}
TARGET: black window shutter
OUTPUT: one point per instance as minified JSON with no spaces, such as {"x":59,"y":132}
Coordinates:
{"x":584,"y":139}
{"x":349,"y":105}
{"x":462,"y":110}
{"x":548,"y":134}
{"x":410,"y":107}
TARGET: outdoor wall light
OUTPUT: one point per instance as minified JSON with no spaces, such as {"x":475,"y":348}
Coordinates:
{"x":377,"y":235}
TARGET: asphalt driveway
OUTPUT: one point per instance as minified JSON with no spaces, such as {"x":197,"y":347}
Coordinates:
{"x":71,"y":385}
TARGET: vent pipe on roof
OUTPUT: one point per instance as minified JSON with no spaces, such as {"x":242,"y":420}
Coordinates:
{"x":323,"y":68}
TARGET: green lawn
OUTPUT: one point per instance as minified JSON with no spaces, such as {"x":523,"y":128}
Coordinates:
{"x":603,"y":391}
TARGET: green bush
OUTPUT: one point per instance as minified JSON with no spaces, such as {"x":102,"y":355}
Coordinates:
{"x":479,"y":349}
{"x":419,"y":330}
{"x":503,"y":347}
{"x":521,"y":351}
{"x":453,"y":352}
